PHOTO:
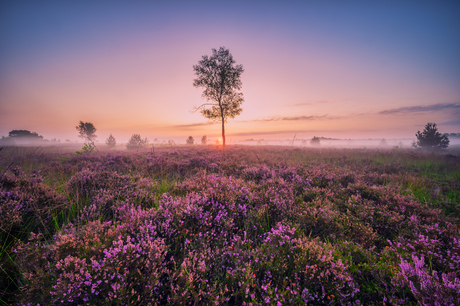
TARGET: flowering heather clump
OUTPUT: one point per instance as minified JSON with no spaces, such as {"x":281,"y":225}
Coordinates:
{"x":25,"y":204}
{"x":103,"y":190}
{"x":98,"y":263}
{"x":302,"y":270}
{"x":430,"y":287}
{"x":244,"y":226}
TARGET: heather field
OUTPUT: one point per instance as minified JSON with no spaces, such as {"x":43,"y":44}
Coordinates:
{"x":200,"y":225}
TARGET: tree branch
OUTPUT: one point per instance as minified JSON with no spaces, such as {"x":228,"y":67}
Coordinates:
{"x":196,"y":108}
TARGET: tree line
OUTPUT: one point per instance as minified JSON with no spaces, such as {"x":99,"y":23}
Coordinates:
{"x":87,"y":131}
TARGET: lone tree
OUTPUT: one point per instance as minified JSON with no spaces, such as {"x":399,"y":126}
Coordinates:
{"x":430,"y":138}
{"x":86,"y":131}
{"x":111,"y":141}
{"x":220,"y":78}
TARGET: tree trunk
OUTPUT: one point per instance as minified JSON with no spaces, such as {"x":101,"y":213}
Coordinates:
{"x":222,"y":111}
{"x":223,"y":129}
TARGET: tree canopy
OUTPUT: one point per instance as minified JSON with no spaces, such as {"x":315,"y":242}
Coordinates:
{"x":430,"y":138}
{"x":24,"y":133}
{"x":221,"y":78}
{"x":86,"y":131}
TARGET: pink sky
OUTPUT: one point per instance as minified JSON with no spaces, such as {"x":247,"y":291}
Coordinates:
{"x":134,"y":76}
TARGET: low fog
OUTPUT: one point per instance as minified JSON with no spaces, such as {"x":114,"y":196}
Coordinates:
{"x":320,"y":142}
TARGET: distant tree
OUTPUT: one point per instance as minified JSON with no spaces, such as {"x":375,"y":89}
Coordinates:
{"x":383,"y":142}
{"x":86,"y":131}
{"x":171,"y":143}
{"x":315,"y":141}
{"x":190,"y":140}
{"x":204,"y":140}
{"x":452,"y":135}
{"x":136,"y":142}
{"x":7,"y":141}
{"x":220,"y":78}
{"x":111,"y":141}
{"x":24,"y":134}
{"x":430,"y":138}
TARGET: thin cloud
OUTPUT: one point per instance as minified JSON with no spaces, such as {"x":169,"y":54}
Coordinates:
{"x":194,"y":124}
{"x":457,"y":122}
{"x":421,"y":108}
{"x":273,"y":133}
{"x":306,"y":118}
{"x":291,"y":132}
{"x":308,"y":103}
{"x":296,"y":118}
{"x":265,"y":133}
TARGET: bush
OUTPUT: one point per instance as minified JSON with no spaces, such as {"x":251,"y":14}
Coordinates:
{"x":87,"y":148}
{"x":315,"y":141}
{"x":136,"y":142}
{"x":111,"y":141}
{"x":429,"y":287}
{"x":430,"y":138}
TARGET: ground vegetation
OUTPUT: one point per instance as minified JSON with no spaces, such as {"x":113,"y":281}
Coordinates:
{"x":248,"y":225}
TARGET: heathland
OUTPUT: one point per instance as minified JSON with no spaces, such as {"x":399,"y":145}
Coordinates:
{"x":199,"y":225}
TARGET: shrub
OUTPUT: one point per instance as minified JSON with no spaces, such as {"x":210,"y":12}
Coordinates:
{"x":430,"y":287}
{"x":87,"y":148}
{"x":26,"y":205}
{"x":136,"y":142}
{"x":99,"y":264}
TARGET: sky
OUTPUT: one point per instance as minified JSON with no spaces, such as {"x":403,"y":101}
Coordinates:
{"x":344,"y":69}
